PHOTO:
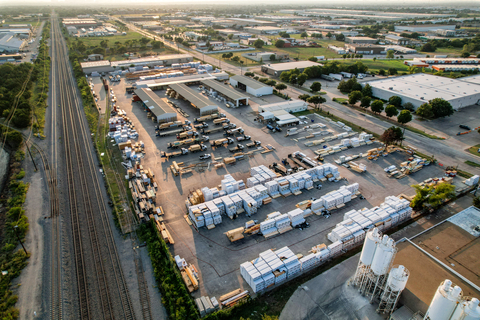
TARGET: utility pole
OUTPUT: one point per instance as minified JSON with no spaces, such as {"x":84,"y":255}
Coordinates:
{"x":16,"y":233}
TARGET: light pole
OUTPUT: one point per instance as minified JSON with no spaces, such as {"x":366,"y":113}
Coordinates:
{"x":16,"y":233}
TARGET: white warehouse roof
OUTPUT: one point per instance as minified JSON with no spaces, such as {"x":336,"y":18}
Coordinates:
{"x":420,"y":88}
{"x":294,"y":106}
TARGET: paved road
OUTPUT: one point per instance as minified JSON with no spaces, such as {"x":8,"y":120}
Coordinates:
{"x":448,"y":152}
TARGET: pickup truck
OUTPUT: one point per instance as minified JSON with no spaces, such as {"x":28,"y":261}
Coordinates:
{"x":239,"y":147}
{"x":253,"y":144}
{"x":243,"y":138}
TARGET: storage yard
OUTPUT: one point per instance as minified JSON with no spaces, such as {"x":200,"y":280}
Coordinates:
{"x":218,"y":244}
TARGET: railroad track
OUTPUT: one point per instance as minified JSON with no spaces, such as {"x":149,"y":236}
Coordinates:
{"x":101,"y":286}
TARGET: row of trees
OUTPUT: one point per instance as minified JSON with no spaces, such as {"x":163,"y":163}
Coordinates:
{"x":435,"y":108}
{"x":117,"y":47}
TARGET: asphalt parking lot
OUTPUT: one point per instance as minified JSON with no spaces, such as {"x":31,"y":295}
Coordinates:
{"x":218,"y":260}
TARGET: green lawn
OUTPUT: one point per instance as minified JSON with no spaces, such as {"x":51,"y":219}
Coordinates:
{"x":380,"y":64}
{"x":474,"y":150}
{"x":246,"y":62}
{"x":34,"y":23}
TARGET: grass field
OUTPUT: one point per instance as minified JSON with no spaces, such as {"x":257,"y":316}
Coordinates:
{"x":34,"y":23}
{"x":246,"y":62}
{"x":474,"y":150}
{"x":380,"y":64}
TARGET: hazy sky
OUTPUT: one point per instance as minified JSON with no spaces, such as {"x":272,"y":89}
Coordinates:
{"x":423,"y":3}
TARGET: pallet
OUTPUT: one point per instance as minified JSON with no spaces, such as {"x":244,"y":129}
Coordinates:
{"x":297,"y":192}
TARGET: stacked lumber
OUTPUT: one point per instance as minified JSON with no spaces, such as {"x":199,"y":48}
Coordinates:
{"x":143,"y":189}
{"x":161,"y":227}
{"x":232,"y":298}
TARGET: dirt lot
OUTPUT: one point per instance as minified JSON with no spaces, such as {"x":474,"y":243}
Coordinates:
{"x":217,"y":259}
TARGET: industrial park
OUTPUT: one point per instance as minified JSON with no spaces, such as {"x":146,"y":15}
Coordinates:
{"x":214,"y":161}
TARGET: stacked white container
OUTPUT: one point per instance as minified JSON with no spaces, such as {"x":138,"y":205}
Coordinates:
{"x":262,"y":190}
{"x":322,"y":255}
{"x":308,"y":262}
{"x":335,"y":248}
{"x":252,"y":276}
{"x":251,"y":182}
{"x":282,"y":222}
{"x":272,"y":188}
{"x":296,"y":217}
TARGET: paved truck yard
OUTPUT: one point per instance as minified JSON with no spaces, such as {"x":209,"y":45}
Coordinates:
{"x":216,"y":258}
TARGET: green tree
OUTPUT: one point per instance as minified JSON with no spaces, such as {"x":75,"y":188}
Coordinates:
{"x":99,"y":50}
{"x":230,"y":36}
{"x":271,"y":83}
{"x":273,"y":57}
{"x":441,"y":108}
{"x":354,"y":97}
{"x":236,"y":58}
{"x":391,"y":135}
{"x":313,"y":59}
{"x":381,"y":72}
{"x":367,"y":90}
{"x":412,"y":69}
{"x":284,"y":34}
{"x":428,"y":47}
{"x":425,"y":111}
{"x":249,"y":74}
{"x":279,"y":43}
{"x":304,"y":35}
{"x":432,"y":196}
{"x":365,"y":102}
{"x":392,"y":71}
{"x":281,"y":86}
{"x":390,"y":54}
{"x":329,"y":35}
{"x":293,"y":79}
{"x":302,"y":77}
{"x":316,"y":100}
{"x":395,"y":101}
{"x":377,"y":106}
{"x":409,"y":106}
{"x":404,"y":117}
{"x":391,"y":111}
{"x":258,"y":43}
{"x":316,"y":86}
{"x":340,"y":37}
{"x":476,"y":202}
{"x":304,"y":97}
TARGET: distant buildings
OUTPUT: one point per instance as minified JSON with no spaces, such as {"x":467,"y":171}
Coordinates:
{"x":9,"y":42}
{"x":424,"y":28}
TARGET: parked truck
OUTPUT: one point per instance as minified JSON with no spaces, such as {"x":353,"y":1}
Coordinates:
{"x":238,"y":148}
{"x":222,"y":142}
{"x":212,"y":130}
{"x":326,"y":77}
{"x":253,"y":144}
{"x":201,"y":125}
{"x":168,"y":133}
{"x":221,"y":120}
{"x":234,"y":131}
{"x":207,"y":118}
{"x":347,"y":75}
{"x":197,"y":148}
{"x":167,"y":155}
{"x":186,"y":142}
{"x":228,"y":126}
{"x":243,"y":138}
{"x":336,"y":76}
{"x":187,"y":134}
{"x":168,"y":125}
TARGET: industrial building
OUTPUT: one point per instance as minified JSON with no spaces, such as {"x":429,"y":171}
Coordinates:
{"x":254,"y":87}
{"x":455,"y":67}
{"x":400,"y":49}
{"x":9,"y":42}
{"x":225,"y":91}
{"x":360,"y":40}
{"x":448,"y":250}
{"x":197,"y":100}
{"x":252,"y":22}
{"x":288,"y":106}
{"x":424,"y":28}
{"x":278,"y":68}
{"x":107,"y":66}
{"x":163,"y":83}
{"x":420,"y":88}
{"x":391,"y":38}
{"x":159,"y":107}
{"x":364,"y":48}
{"x":472,"y":79}
{"x":80,"y":23}
{"x":264,"y":30}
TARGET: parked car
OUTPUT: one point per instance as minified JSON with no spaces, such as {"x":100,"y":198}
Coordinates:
{"x":465,"y":127}
{"x":205,"y":156}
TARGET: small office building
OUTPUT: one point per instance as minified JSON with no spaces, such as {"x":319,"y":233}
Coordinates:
{"x":225,"y":91}
{"x":255,"y":88}
{"x":159,"y":107}
{"x":197,"y":100}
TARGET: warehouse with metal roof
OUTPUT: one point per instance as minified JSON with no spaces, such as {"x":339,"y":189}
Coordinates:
{"x":420,"y":88}
{"x":277,"y":68}
{"x":288,"y":106}
{"x":197,"y":100}
{"x":163,"y":83}
{"x":159,"y":107}
{"x":225,"y":91}
{"x":254,"y":87}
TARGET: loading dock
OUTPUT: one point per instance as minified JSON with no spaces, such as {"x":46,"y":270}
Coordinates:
{"x":252,"y":86}
{"x":226,"y":92}
{"x":197,"y":100}
{"x":156,"y":105}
